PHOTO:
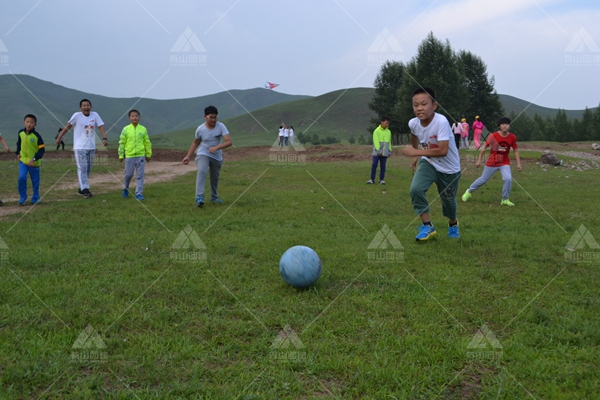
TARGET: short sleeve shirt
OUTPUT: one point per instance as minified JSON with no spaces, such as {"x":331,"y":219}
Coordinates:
{"x":500,"y":148}
{"x":429,"y":136}
{"x":210,"y":138}
{"x":84,"y":130}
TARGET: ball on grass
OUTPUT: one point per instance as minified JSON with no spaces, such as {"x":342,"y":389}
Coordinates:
{"x":300,"y":266}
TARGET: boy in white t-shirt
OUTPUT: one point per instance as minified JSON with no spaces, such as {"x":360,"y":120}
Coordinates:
{"x":211,"y":137}
{"x":439,"y":164}
{"x":84,"y":142}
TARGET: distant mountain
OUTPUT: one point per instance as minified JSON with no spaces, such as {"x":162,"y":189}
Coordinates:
{"x":18,"y":97}
{"x":517,"y":105}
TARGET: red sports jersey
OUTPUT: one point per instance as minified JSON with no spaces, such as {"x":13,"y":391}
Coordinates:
{"x":500,"y":148}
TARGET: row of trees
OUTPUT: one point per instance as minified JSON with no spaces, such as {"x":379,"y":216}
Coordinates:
{"x":459,"y":80}
{"x":557,"y":129}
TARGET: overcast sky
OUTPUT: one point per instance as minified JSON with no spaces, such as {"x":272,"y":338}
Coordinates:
{"x":545,"y":51}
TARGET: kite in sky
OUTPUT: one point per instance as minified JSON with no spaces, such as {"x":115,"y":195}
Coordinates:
{"x":271,"y":85}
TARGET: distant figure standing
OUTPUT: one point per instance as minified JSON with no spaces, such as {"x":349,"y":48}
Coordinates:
{"x":465,"y":134}
{"x":382,"y":149}
{"x":281,"y":128}
{"x":286,"y":135}
{"x":291,"y":136}
{"x":62,"y":142}
{"x":478,"y":127}
{"x":457,"y":129}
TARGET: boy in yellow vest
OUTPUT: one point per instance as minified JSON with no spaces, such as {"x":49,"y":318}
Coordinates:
{"x":30,"y":150}
{"x":135,"y":146}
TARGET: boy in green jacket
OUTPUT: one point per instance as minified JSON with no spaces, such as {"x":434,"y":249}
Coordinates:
{"x":135,"y":146}
{"x":30,"y":150}
{"x":382,"y":149}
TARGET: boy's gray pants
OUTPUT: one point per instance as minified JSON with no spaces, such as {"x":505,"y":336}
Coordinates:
{"x":139,"y":164}
{"x":487,"y":175}
{"x":205,"y":163}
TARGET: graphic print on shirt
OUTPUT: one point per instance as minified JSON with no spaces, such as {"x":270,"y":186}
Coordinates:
{"x":89,"y":129}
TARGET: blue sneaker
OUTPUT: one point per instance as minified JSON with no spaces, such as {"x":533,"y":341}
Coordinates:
{"x":453,"y":231}
{"x":200,"y":201}
{"x":216,"y":200}
{"x":125,"y":193}
{"x":139,"y":197}
{"x":425,"y":232}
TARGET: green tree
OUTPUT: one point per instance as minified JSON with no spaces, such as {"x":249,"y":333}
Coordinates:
{"x":521,"y":126}
{"x":435,"y":66}
{"x":483,"y":99}
{"x":351,"y":139}
{"x":563,"y":129}
{"x":383,"y":102}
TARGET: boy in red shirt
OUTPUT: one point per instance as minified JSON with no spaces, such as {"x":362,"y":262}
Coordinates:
{"x":500,"y":144}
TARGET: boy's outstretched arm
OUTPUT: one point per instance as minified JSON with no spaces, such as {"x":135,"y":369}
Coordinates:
{"x":518,"y":157}
{"x":63,"y":132}
{"x":481,"y":154}
{"x":191,"y":151}
{"x":4,"y":144}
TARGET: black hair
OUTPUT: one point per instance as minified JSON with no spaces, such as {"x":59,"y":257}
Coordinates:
{"x":427,"y":90}
{"x":291,"y":127}
{"x":82,"y":101}
{"x":30,"y":116}
{"x":504,"y":120}
{"x":60,"y":130}
{"x":385,"y":118}
{"x":211,"y":110}
{"x":135,"y":111}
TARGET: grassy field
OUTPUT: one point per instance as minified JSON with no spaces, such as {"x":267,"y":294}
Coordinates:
{"x":113,"y":298}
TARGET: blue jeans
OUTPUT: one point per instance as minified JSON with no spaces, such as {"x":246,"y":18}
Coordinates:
{"x":34,"y":173}
{"x":378,"y":159}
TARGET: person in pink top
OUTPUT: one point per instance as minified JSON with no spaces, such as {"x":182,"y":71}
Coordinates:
{"x":465,"y":134}
{"x":478,"y":127}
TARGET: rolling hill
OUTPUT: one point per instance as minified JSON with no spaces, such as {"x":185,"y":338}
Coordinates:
{"x":18,"y":95}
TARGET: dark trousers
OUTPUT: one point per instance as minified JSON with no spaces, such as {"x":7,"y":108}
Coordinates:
{"x":457,"y":140}
{"x":381,"y":160}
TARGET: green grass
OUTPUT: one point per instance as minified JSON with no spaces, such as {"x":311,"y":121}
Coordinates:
{"x":185,"y":330}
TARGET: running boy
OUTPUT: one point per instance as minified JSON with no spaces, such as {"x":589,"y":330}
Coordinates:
{"x":208,"y":140}
{"x":439,"y":164}
{"x":135,"y":146}
{"x":84,"y":142}
{"x":382,"y":149}
{"x":500,"y":144}
{"x":30,"y":150}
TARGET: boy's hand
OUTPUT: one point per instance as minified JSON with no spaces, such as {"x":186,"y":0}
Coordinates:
{"x":19,"y":157}
{"x":186,"y":160}
{"x":120,"y":160}
{"x":519,"y":167}
{"x":413,"y":164}
{"x":31,"y":162}
{"x":409,"y":151}
{"x":7,"y":149}
{"x":213,"y":149}
{"x":477,"y":164}
{"x":147,"y":159}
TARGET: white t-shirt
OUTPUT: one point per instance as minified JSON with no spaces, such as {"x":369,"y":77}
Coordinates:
{"x":280,"y":131}
{"x":286,"y":132}
{"x":291,"y":132}
{"x":210,"y":138}
{"x":429,"y":136}
{"x":84,"y":130}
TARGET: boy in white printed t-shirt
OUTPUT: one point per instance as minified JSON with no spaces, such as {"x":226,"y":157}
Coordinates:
{"x":208,"y":140}
{"x":439,"y":164}
{"x":84,"y":142}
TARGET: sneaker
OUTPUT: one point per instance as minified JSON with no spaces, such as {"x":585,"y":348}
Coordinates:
{"x":466,"y":196}
{"x":1,"y":203}
{"x":21,"y":203}
{"x":370,"y":182}
{"x":139,"y":197}
{"x":453,"y":231}
{"x":80,"y":192}
{"x":200,"y":201}
{"x":217,"y":200}
{"x":425,"y":232}
{"x":507,"y":202}
{"x":382,"y":182}
{"x":34,"y":202}
{"x":87,"y":194}
{"x":125,"y":193}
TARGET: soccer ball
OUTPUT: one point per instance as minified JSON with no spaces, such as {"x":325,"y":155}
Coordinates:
{"x":300,"y":266}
